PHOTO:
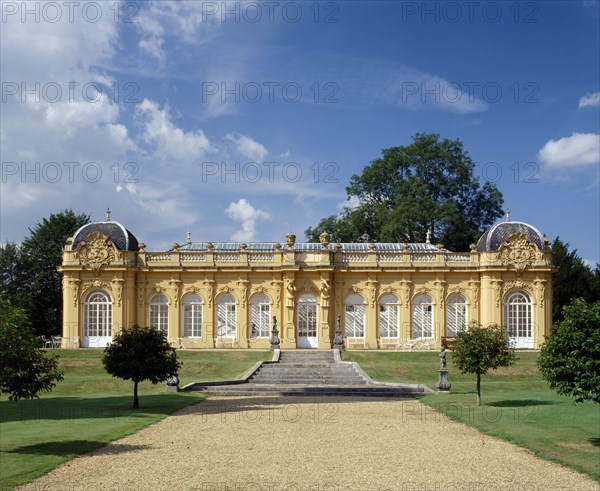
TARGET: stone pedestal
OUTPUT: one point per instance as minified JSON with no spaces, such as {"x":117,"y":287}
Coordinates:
{"x":275,"y":342}
{"x":338,"y":342}
{"x":173,"y":384}
{"x":443,"y":384}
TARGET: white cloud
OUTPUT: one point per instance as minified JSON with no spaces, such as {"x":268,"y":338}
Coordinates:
{"x":171,"y":141}
{"x":248,"y":147}
{"x":571,"y":151}
{"x":247,"y":215}
{"x":590,"y":100}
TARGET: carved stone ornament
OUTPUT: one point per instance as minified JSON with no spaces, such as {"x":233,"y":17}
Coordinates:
{"x":96,"y":251}
{"x":518,"y":251}
{"x":97,"y":283}
{"x":75,"y":289}
{"x":118,"y":289}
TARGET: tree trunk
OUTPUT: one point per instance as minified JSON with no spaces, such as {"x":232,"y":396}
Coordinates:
{"x":478,"y":389}
{"x":136,"y":401}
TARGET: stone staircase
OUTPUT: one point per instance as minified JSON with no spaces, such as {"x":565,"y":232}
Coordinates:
{"x":304,"y":372}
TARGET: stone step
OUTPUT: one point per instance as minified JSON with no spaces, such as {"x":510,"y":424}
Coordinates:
{"x":322,"y":390}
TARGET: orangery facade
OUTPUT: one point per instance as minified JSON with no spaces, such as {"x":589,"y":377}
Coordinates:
{"x":381,"y":295}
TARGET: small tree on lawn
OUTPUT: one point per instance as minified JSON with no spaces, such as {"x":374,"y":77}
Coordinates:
{"x":25,"y":369}
{"x":138,"y":354}
{"x":570,"y":358}
{"x":479,"y":349}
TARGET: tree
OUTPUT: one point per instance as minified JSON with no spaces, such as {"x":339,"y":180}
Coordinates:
{"x":574,"y":279}
{"x":40,"y":256}
{"x":13,"y":284}
{"x":479,"y":349}
{"x":570,"y":357}
{"x":138,"y":354}
{"x":427,"y":185}
{"x":25,"y":369}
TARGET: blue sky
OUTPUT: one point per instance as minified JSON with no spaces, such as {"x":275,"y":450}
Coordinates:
{"x":246,"y":120}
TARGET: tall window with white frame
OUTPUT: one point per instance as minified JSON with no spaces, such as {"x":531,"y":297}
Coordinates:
{"x":260,"y":316}
{"x":192,"y":316}
{"x":422,"y":321}
{"x":456,"y":314}
{"x":389,"y":317}
{"x":226,"y":316}
{"x":354,"y":316}
{"x":518,"y":317}
{"x":158,"y":315}
{"x":97,"y":320}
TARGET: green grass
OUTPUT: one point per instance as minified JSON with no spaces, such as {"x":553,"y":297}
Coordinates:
{"x":90,"y":408}
{"x":517,"y":405}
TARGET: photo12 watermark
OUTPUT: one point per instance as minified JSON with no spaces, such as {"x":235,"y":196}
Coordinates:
{"x":270,"y":91}
{"x":254,"y":172}
{"x":38,"y":12}
{"x":449,"y":12}
{"x":71,"y":172}
{"x":53,"y":92}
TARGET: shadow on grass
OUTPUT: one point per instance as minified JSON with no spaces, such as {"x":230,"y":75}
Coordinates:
{"x":68,"y":448}
{"x":595,"y":441}
{"x":520,"y":403}
{"x":78,"y":408}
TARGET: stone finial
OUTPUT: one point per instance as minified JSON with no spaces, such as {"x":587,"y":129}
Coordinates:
{"x":338,"y":247}
{"x":405,"y":247}
{"x":508,"y":215}
{"x":371,"y":246}
{"x":189,"y":236}
{"x":277,"y":246}
{"x":175,"y":246}
{"x":290,"y":239}
{"x":210,"y":246}
{"x":142,"y":247}
{"x":439,"y":247}
{"x":324,"y":238}
{"x":243,"y":246}
{"x":473,"y":247}
{"x":428,"y":236}
{"x":108,"y":214}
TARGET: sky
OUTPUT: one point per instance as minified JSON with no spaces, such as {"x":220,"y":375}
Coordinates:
{"x":242,"y":121}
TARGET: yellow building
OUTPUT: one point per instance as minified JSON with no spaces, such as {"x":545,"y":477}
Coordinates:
{"x":385,"y":295}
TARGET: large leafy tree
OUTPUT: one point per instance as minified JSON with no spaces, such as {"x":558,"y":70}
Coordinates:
{"x":574,"y":279}
{"x":138,"y":354}
{"x":39,"y":256}
{"x":427,"y":185}
{"x":570,"y":358}
{"x":481,"y":348}
{"x":25,"y":369}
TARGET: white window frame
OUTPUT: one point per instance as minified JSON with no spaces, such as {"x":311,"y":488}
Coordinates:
{"x":260,"y":316}
{"x":355,"y":313}
{"x":422,"y":321}
{"x":456,"y":314}
{"x":518,"y":318}
{"x":158,"y":313}
{"x":389,"y":317}
{"x":226,"y":316}
{"x":193,"y":312}
{"x":97,"y":315}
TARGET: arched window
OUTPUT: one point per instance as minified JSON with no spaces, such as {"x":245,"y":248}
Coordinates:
{"x":97,"y":319}
{"x":456,"y":314}
{"x":518,"y":318}
{"x":226,"y":316}
{"x":354,"y":317}
{"x":158,"y":315}
{"x":192,"y":316}
{"x":389,"y":317}
{"x":260,"y":316}
{"x":422,"y":322}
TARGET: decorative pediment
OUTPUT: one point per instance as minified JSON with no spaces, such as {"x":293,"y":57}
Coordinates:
{"x":96,"y":251}
{"x":97,"y":283}
{"x":518,"y":251}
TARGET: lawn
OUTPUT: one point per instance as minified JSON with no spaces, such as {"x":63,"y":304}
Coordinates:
{"x":90,"y":408}
{"x":517,"y":405}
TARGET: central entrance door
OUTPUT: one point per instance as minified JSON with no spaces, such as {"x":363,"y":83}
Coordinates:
{"x":307,"y":322}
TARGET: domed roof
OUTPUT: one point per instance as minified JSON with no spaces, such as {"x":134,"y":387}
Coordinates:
{"x":123,"y":239}
{"x":497,"y":235}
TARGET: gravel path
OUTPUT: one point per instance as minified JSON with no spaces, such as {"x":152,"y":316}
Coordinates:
{"x":310,"y":443}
